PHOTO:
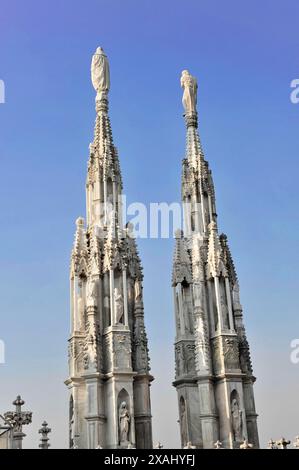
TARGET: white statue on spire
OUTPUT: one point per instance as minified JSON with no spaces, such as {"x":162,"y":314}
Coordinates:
{"x":100,"y":75}
{"x":189,"y":84}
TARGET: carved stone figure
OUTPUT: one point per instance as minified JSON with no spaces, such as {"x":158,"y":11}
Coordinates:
{"x":119,"y":305}
{"x":189,"y":84}
{"x":91,"y":291}
{"x":80,"y":311}
{"x":124,"y":419}
{"x":100,"y":75}
{"x":138,"y":290}
{"x":236,"y":420}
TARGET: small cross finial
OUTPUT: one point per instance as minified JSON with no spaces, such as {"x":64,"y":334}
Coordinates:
{"x":246,"y":445}
{"x":189,"y":445}
{"x":158,"y":445}
{"x":218,"y":445}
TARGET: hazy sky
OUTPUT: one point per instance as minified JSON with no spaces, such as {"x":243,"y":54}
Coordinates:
{"x":245,"y":55}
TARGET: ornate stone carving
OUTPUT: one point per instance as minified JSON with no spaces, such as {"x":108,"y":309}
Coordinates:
{"x":140,"y":348}
{"x":185,"y":361}
{"x":122,"y":352}
{"x":231,"y":353}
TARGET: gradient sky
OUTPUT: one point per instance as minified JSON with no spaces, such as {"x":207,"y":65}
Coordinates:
{"x":244,"y":54}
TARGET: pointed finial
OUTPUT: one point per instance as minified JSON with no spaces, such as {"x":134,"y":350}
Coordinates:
{"x":218,"y":445}
{"x":44,"y":431}
{"x":158,"y":445}
{"x":80,"y":222}
{"x":189,"y":445}
{"x":246,"y":445}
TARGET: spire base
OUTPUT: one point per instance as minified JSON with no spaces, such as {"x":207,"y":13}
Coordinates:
{"x":102,"y":103}
{"x":191,"y":120}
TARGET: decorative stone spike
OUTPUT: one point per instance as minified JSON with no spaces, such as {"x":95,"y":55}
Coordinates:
{"x":44,"y":431}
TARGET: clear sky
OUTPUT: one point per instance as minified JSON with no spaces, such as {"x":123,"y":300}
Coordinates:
{"x":244,"y":54}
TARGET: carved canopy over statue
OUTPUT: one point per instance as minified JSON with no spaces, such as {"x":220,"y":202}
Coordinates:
{"x":189,"y":85}
{"x":100,"y":75}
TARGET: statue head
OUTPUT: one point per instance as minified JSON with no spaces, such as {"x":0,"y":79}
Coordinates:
{"x":123,"y":405}
{"x":99,"y":51}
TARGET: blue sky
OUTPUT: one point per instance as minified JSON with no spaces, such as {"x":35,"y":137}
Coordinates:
{"x":244,"y":56}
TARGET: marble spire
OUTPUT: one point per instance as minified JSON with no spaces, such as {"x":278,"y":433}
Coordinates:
{"x":109,"y":372}
{"x":214,"y":379}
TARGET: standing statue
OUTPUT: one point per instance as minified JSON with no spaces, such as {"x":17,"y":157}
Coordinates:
{"x":118,"y":305}
{"x":189,"y":84}
{"x":236,"y":420}
{"x":124,"y":419}
{"x":100,"y":75}
{"x":138,"y":290}
{"x":91,"y":291}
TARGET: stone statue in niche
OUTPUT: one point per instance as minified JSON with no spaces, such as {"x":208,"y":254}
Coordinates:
{"x":189,"y":85}
{"x":138,"y":291}
{"x":80,"y":311}
{"x":124,"y":419}
{"x":183,"y":419}
{"x":237,"y":422}
{"x":119,"y":305}
{"x":91,"y":291}
{"x":100,"y":75}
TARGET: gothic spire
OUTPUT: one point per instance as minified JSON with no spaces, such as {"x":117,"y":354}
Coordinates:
{"x":104,"y":183}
